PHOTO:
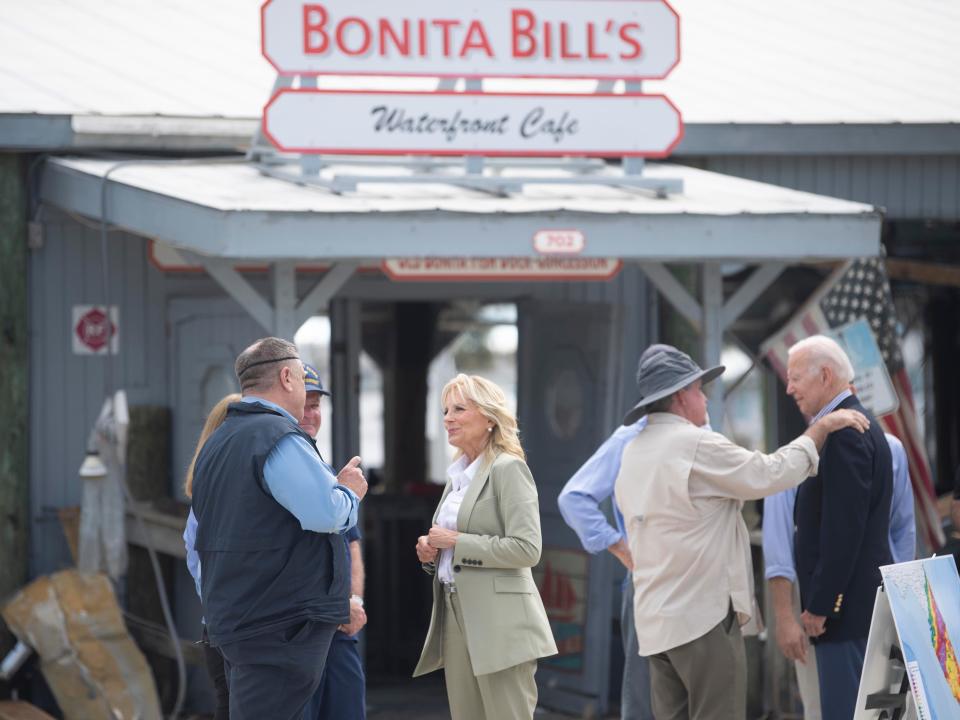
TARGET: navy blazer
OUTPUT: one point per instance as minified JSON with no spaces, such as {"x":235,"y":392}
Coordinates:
{"x":843,"y":524}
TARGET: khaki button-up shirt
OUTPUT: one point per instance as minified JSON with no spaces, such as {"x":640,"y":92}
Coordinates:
{"x":681,"y":489}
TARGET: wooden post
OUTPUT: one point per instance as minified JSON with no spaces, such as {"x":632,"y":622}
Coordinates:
{"x":14,"y":505}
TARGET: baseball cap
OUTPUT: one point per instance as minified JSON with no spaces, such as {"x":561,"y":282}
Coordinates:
{"x":311,"y":380}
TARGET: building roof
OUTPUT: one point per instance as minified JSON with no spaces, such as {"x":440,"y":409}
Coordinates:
{"x":226,"y":209}
{"x":819,"y":61}
{"x":182,"y":74}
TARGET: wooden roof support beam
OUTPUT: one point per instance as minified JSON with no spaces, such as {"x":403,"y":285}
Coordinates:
{"x":927,"y":273}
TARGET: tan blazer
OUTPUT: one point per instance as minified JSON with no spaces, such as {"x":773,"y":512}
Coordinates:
{"x":499,"y":525}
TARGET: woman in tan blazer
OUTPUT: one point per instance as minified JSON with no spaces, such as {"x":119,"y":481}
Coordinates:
{"x":488,"y":625}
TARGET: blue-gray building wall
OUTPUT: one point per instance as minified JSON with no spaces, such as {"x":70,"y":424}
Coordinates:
{"x":907,"y":187}
{"x":67,"y":390}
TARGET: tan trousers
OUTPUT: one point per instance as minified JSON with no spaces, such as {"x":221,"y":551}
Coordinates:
{"x":510,"y":694}
{"x":704,"y":679}
{"x":808,"y":681}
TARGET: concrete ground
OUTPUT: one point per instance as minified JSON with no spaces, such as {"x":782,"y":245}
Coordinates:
{"x":425,"y":699}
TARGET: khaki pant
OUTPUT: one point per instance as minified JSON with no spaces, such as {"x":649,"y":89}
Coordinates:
{"x":807,"y":680}
{"x":704,"y":679}
{"x":509,"y":694}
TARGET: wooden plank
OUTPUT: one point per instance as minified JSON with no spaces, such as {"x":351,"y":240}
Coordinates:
{"x":166,"y":532}
{"x":927,"y":273}
{"x":21,"y":710}
{"x":153,"y":638}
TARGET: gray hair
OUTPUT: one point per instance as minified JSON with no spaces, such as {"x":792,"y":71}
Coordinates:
{"x":256,"y":366}
{"x":824,"y":352}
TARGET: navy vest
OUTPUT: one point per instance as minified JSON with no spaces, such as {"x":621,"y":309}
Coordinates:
{"x":260,"y":570}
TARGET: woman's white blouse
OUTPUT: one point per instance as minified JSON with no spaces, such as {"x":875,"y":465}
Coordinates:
{"x":460,"y":474}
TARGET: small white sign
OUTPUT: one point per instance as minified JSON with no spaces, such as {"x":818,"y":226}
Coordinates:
{"x":618,"y":39}
{"x":559,"y":242}
{"x":92,"y":331}
{"x":453,"y":123}
{"x":509,"y":268}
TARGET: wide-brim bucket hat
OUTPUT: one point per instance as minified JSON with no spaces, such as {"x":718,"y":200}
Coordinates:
{"x":663,"y":372}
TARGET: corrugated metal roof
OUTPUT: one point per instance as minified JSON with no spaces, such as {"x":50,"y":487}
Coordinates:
{"x":818,"y":61}
{"x":241,"y":187}
{"x":743,"y":61}
{"x":228,"y":209}
{"x":132,"y":57}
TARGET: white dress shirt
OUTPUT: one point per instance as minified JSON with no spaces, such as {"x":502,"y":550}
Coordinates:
{"x":460,"y":474}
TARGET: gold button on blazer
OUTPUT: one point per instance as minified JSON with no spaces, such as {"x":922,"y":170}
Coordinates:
{"x":504,"y":617}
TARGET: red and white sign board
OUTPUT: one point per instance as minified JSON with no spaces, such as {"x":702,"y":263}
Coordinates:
{"x":501,"y":269}
{"x":454,"y":123}
{"x":618,"y":39}
{"x":92,"y":331}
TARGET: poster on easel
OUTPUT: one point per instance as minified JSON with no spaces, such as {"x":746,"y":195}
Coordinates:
{"x":924,"y":602}
{"x":884,"y":691}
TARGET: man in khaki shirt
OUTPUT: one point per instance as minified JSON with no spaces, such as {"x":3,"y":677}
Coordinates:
{"x":681,"y":489}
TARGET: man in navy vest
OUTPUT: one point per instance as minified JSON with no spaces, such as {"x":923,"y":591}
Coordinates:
{"x":843,"y":523}
{"x":276,"y":579}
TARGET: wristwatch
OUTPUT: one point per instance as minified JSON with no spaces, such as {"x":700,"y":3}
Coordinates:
{"x":357,"y":599}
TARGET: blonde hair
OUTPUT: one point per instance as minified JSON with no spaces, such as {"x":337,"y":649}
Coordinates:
{"x":491,"y":401}
{"x":214,"y":420}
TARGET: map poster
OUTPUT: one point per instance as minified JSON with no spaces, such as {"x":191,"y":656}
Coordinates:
{"x":924,"y":597}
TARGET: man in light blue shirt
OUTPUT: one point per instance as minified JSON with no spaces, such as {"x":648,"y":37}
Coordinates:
{"x":780,"y":569}
{"x":324,"y":507}
{"x":343,"y":662}
{"x":275,"y":573}
{"x":291,"y":474}
{"x":579,"y":503}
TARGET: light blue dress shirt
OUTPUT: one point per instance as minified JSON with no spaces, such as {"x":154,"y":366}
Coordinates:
{"x":190,"y":543}
{"x":778,"y":521}
{"x":300,"y":481}
{"x":592,"y":484}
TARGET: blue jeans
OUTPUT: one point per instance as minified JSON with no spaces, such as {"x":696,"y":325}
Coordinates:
{"x":341,"y":694}
{"x":635,"y":689}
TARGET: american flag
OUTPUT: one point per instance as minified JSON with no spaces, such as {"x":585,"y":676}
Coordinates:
{"x":861,"y":289}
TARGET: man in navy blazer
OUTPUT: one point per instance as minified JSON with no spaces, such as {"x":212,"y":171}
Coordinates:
{"x":842,"y":518}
